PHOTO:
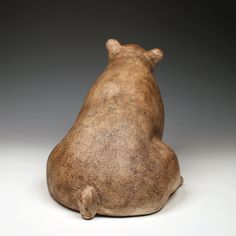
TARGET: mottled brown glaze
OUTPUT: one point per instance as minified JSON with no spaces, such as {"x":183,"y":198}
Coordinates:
{"x":113,"y":161}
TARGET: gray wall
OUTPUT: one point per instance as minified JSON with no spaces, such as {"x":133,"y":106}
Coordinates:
{"x":50,"y":54}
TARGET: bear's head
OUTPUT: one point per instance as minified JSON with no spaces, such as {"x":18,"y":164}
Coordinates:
{"x":116,"y":50}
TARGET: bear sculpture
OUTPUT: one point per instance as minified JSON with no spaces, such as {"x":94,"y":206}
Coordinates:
{"x":113,"y":160}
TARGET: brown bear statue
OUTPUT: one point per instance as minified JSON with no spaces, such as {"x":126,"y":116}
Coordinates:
{"x":113,"y":161}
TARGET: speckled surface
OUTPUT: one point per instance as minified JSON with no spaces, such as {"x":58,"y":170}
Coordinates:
{"x":113,"y":161}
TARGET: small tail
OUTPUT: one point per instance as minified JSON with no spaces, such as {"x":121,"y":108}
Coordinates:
{"x":87,"y":202}
{"x":181,"y":181}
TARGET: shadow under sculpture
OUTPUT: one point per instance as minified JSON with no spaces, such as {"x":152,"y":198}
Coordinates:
{"x":113,"y":161}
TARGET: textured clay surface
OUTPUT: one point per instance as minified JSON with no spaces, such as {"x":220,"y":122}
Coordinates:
{"x":113,"y":161}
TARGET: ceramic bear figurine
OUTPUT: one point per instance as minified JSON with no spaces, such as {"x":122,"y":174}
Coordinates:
{"x":113,"y":160}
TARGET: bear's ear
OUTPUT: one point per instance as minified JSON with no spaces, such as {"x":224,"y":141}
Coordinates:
{"x":113,"y":47}
{"x":155,"y":55}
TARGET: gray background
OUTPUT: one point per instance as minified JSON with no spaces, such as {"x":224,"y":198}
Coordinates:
{"x":50,"y":55}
